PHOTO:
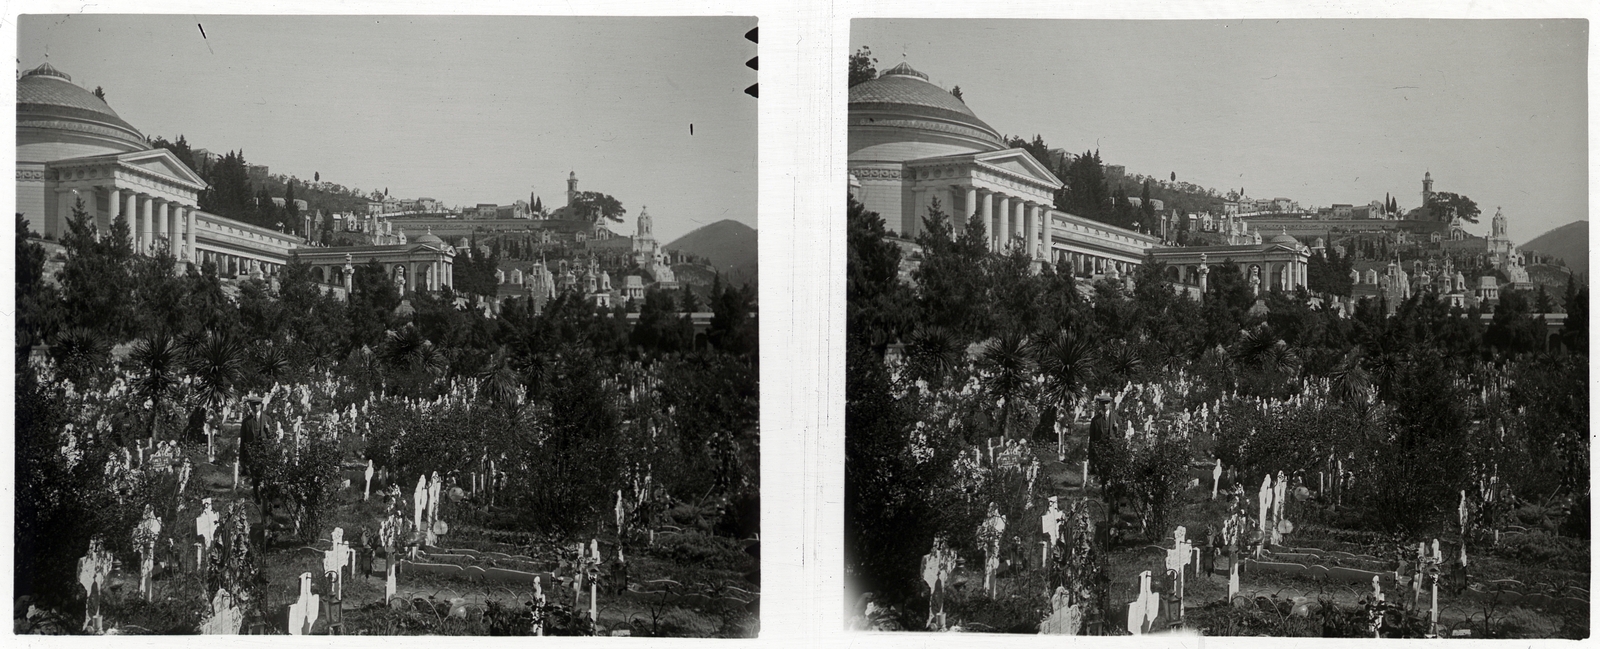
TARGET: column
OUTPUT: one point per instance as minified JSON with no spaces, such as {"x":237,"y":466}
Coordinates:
{"x":158,"y":218}
{"x":919,"y":209}
{"x":113,"y":207}
{"x":1004,"y":226}
{"x":189,"y":222}
{"x":967,"y":209}
{"x":1049,"y":233}
{"x":1019,"y":215}
{"x":983,"y":212}
{"x":65,"y":200}
{"x":146,"y":209}
{"x":1030,"y":229}
{"x":130,"y":214}
{"x":175,"y":230}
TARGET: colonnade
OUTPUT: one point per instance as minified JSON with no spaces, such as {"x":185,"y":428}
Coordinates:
{"x":151,"y":219}
{"x":1011,"y":220}
{"x":1085,"y":264}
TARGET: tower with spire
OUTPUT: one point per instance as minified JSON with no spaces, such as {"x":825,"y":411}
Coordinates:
{"x":1427,"y":188}
{"x":572,"y":187}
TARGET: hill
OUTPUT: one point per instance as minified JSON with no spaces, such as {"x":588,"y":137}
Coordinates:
{"x":730,"y":246}
{"x":1569,"y":243}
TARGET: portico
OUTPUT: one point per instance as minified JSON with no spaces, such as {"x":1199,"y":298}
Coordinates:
{"x":1008,"y":189}
{"x":152,"y":189}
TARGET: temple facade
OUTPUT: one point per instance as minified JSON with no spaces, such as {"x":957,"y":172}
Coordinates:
{"x":913,"y":144}
{"x":73,"y":150}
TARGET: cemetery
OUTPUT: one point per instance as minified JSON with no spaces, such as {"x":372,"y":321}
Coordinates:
{"x":243,"y":457}
{"x":1100,"y":456}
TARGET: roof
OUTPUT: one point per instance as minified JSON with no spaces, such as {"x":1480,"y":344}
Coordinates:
{"x":902,"y":89}
{"x":45,"y":93}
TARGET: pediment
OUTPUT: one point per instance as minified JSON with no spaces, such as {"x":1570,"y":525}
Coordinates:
{"x":163,"y":162}
{"x":1019,"y":161}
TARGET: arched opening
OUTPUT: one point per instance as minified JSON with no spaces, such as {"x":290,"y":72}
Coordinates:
{"x":319,"y":274}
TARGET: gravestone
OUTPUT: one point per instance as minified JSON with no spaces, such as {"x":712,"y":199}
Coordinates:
{"x":303,"y":613}
{"x":1065,"y":617}
{"x":991,"y":532}
{"x":621,"y":513}
{"x":226,"y":618}
{"x":1216,"y":478}
{"x":419,"y":501}
{"x":185,"y":470}
{"x":1178,"y":559}
{"x":1143,"y":611}
{"x":367,"y":493}
{"x":335,"y":560}
{"x":1050,"y":524}
{"x":205,"y":526}
{"x":144,"y":537}
{"x":163,"y":458}
{"x":94,"y":570}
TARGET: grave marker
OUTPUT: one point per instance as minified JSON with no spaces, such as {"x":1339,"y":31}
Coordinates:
{"x":303,"y":613}
{"x":1143,"y":611}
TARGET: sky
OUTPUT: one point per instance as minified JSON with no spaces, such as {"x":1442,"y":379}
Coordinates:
{"x":1319,"y":111}
{"x":466,"y":110}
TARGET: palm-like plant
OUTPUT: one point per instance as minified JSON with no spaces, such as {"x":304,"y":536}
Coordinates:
{"x":934,"y":353}
{"x":1068,"y":363}
{"x":1349,"y":380}
{"x":217,"y":363}
{"x":1122,"y":361}
{"x":269,"y":362}
{"x":156,"y":359}
{"x":501,"y":381}
{"x":408,"y":350}
{"x":1007,"y":371}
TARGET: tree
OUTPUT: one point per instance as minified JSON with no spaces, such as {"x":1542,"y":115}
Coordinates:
{"x":1575,"y":333}
{"x":96,"y":278}
{"x":1086,"y":193}
{"x":1007,"y":372}
{"x":957,"y":92}
{"x":875,"y":299}
{"x":1147,"y":205}
{"x":863,"y":67}
{"x":228,"y":192}
{"x":1446,"y":204}
{"x":591,"y":205}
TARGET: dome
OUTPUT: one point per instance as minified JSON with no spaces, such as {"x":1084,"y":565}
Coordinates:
{"x":47,"y":99}
{"x":429,"y":239}
{"x":906,"y":96}
{"x":1284,"y":238}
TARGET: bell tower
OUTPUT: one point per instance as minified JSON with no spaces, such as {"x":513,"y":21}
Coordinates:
{"x":1498,"y":226}
{"x":1427,"y":188}
{"x":572,"y":187}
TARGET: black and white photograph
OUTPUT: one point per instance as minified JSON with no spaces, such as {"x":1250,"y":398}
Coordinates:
{"x":1218,"y":328}
{"x":387,"y":325}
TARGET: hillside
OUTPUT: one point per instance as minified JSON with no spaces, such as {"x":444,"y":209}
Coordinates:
{"x":729,"y":245}
{"x":1570,"y":243}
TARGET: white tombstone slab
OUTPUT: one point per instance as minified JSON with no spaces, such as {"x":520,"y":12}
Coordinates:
{"x":1233,"y":580}
{"x":207,"y":522}
{"x":367,"y":493}
{"x":419,"y":500}
{"x":1050,"y":522}
{"x":303,"y":613}
{"x":1265,"y":496}
{"x":1143,"y":611}
{"x":145,"y":536}
{"x":435,"y":494}
{"x":621,"y":513}
{"x":226,"y":618}
{"x":1216,"y":478}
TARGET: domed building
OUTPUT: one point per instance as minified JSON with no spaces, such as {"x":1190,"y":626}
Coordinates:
{"x":72,"y":148}
{"x":912,"y":143}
